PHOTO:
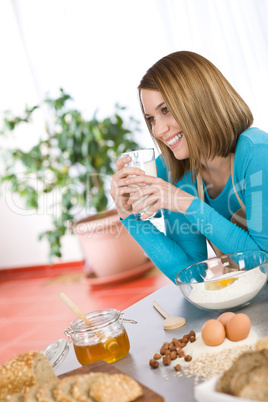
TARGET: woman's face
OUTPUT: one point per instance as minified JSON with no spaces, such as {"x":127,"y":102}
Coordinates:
{"x":164,"y":127}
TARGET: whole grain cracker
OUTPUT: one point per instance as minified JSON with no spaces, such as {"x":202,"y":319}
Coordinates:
{"x":83,"y":384}
{"x":115,"y":388}
{"x":63,"y":391}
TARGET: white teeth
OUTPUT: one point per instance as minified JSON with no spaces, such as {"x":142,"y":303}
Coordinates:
{"x":175,"y":139}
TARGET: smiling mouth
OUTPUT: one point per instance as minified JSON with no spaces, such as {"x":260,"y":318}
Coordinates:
{"x":175,"y":139}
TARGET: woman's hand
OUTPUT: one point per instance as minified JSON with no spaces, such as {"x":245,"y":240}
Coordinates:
{"x":120,"y":191}
{"x":160,"y":194}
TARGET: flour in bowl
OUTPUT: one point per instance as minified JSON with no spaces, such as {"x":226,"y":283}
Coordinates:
{"x":242,"y":290}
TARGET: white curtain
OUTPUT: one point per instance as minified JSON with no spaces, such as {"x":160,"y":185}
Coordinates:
{"x":98,"y":51}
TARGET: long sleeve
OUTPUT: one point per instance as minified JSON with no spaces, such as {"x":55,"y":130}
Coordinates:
{"x":251,"y":180}
{"x":169,"y":255}
{"x":228,"y":237}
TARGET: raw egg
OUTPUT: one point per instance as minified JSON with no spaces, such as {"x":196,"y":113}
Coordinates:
{"x":238,"y":327}
{"x":216,"y":285}
{"x":213,"y":333}
{"x":225,"y":317}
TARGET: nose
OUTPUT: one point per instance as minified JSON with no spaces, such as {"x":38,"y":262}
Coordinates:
{"x":160,"y":127}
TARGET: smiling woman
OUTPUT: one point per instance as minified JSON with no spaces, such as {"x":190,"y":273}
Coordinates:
{"x":212,"y":162}
{"x":162,"y":124}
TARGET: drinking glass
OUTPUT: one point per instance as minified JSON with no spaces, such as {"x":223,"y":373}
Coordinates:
{"x":143,"y":159}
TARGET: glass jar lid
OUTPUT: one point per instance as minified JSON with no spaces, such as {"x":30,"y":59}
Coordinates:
{"x":56,"y":352}
{"x":98,"y":319}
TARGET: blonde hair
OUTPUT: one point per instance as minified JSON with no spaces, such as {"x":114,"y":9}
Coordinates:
{"x":209,"y":111}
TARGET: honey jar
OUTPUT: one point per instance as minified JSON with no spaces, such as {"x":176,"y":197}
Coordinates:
{"x":105,"y":339}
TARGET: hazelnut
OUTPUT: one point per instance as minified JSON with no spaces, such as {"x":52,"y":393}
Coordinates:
{"x":172,"y":350}
{"x":181,"y":353}
{"x":173,"y":355}
{"x":153,"y":363}
{"x":166,"y":360}
{"x":188,"y":358}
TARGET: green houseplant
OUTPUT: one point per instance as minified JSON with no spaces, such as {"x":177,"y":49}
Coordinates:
{"x":74,"y":159}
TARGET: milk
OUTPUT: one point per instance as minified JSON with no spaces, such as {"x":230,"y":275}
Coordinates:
{"x":143,"y":159}
{"x":150,"y":170}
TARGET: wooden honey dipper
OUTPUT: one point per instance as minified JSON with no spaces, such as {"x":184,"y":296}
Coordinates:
{"x":110,"y":344}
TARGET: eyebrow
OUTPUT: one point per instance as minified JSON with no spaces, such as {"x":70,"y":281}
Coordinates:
{"x":157,"y":107}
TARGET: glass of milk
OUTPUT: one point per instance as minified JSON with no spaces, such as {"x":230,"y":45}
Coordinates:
{"x":143,"y":159}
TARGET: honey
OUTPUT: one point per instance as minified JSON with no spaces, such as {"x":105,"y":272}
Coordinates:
{"x":111,"y":351}
{"x":104,"y":339}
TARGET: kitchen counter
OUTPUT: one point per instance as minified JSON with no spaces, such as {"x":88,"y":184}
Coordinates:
{"x":147,"y":336}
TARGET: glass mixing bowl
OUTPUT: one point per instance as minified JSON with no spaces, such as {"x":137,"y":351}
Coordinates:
{"x":224,"y":283}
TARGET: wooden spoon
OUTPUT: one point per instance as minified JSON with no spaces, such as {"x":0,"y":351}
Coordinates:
{"x":170,"y":322}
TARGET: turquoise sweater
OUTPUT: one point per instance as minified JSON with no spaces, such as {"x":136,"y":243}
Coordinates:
{"x":184,"y":241}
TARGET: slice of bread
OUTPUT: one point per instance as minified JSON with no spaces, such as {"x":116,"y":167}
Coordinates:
{"x":45,"y":392}
{"x":255,"y":391}
{"x":23,"y":371}
{"x":238,"y":382}
{"x":224,"y":382}
{"x":259,"y":375}
{"x":262,"y":344}
{"x":83,"y":384}
{"x":30,"y":393}
{"x":16,"y":397}
{"x":256,"y":374}
{"x":115,"y":388}
{"x":244,"y":363}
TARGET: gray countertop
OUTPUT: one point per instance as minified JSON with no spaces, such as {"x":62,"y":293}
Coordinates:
{"x":147,"y":336}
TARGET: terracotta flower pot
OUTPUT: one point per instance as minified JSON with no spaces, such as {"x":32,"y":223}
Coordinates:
{"x":107,"y":246}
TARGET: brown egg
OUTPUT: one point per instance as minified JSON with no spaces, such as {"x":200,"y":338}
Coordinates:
{"x":225,"y":317}
{"x":213,"y":333}
{"x":238,"y":327}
